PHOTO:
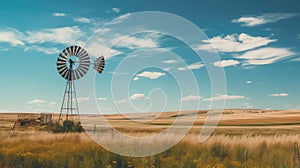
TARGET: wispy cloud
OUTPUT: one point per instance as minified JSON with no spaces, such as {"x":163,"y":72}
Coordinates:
{"x":191,"y":98}
{"x":170,"y":61}
{"x":235,"y":43}
{"x":151,"y":75}
{"x":82,"y":20}
{"x":122,"y":101}
{"x":101,"y":98}
{"x":52,"y":104}
{"x":118,"y":73}
{"x":119,"y":19}
{"x":117,"y":10}
{"x":279,"y":95}
{"x":82,"y":99}
{"x":226,"y":63}
{"x":59,"y":14}
{"x":264,"y":56}
{"x":96,"y":45}
{"x":296,"y":59}
{"x":11,"y":36}
{"x":194,"y":66}
{"x":46,"y":50}
{"x":250,"y":21}
{"x":247,"y":105}
{"x":135,"y":43}
{"x":224,"y":97}
{"x":63,"y":35}
{"x":137,"y":96}
{"x":255,"y":50}
{"x":36,"y":101}
{"x":249,"y":82}
{"x":32,"y":40}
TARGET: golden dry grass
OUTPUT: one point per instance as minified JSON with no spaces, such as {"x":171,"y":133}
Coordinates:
{"x":244,"y":139}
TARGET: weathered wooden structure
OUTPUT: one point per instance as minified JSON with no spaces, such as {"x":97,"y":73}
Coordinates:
{"x":24,"y":119}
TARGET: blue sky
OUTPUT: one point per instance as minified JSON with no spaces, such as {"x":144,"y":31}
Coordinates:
{"x":257,"y":42}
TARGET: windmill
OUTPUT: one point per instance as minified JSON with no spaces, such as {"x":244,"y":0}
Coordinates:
{"x":72,"y":64}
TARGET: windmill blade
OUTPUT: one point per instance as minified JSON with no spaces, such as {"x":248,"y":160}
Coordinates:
{"x":99,"y":64}
{"x":63,"y":63}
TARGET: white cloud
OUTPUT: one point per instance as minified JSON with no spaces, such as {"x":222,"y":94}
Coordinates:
{"x":118,"y":73}
{"x":167,"y":68}
{"x":247,"y":105}
{"x":119,"y":19}
{"x":194,"y":66}
{"x":170,"y":61}
{"x":82,"y":99}
{"x":51,"y":104}
{"x":11,"y":36}
{"x":266,"y":55}
{"x":249,"y":82}
{"x":135,"y":43}
{"x":296,"y":59}
{"x":279,"y":95}
{"x":137,"y":96}
{"x":63,"y":35}
{"x":136,"y":78}
{"x":235,"y":43}
{"x":151,"y":75}
{"x":59,"y":14}
{"x":191,"y":98}
{"x":225,"y":63}
{"x":46,"y":50}
{"x":101,"y":98}
{"x":262,"y":19}
{"x":36,"y":101}
{"x":122,"y":101}
{"x":97,"y":45}
{"x":224,"y":97}
{"x":117,"y":10}
{"x":82,"y":20}
{"x":249,"y":21}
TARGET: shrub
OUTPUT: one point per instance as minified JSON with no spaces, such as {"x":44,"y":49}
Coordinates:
{"x":68,"y":126}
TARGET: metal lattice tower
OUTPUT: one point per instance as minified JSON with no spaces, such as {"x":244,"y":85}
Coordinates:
{"x":72,"y":64}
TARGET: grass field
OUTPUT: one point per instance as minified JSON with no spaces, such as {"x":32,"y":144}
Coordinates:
{"x":244,"y":139}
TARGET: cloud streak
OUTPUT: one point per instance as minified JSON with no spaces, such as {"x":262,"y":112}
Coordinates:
{"x":36,"y":101}
{"x":194,"y":66}
{"x":191,"y":98}
{"x":226,"y":63}
{"x":235,"y":43}
{"x":279,"y":95}
{"x":170,"y":61}
{"x":150,"y":75}
{"x":224,"y":97}
{"x":265,"y":56}
{"x":137,"y":96}
{"x":62,"y":35}
{"x":82,"y":99}
{"x":82,"y":20}
{"x":59,"y":14}
{"x":117,"y":10}
{"x":11,"y":36}
{"x":251,"y":21}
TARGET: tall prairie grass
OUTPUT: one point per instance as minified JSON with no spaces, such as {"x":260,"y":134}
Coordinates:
{"x":43,"y":149}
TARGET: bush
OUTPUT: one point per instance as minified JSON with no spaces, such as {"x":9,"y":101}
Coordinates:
{"x":68,"y":126}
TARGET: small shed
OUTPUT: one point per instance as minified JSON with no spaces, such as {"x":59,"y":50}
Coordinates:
{"x":46,"y":118}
